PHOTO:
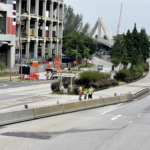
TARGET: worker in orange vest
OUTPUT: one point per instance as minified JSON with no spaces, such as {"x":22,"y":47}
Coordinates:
{"x":80,"y":93}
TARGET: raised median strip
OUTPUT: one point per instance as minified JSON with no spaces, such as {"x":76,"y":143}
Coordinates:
{"x":47,"y":111}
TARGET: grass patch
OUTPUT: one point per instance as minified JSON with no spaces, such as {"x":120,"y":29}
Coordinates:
{"x":7,"y":74}
{"x":89,"y":65}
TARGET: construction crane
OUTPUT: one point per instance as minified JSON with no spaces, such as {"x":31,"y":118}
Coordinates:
{"x":118,"y":28}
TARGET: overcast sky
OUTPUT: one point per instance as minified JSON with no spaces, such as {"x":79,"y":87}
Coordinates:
{"x":134,"y":11}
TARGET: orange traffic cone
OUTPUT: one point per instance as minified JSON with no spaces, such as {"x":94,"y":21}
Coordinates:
{"x":39,"y":80}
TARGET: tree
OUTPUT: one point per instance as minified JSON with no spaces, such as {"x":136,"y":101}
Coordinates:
{"x":144,"y":45}
{"x":125,"y":59}
{"x":90,"y":44}
{"x":74,"y":41}
{"x":136,"y":45}
{"x":104,"y":37}
{"x":74,"y":22}
{"x":116,"y":50}
{"x":2,"y":66}
{"x":128,"y":42}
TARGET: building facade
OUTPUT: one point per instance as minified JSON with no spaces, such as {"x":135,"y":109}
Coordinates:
{"x":36,"y":27}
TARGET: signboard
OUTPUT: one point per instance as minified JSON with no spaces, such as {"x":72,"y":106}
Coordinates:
{"x":66,"y":75}
{"x":25,"y":70}
{"x":35,"y":64}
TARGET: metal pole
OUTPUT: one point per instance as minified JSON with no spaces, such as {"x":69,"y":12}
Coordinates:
{"x":21,"y":58}
{"x":10,"y":63}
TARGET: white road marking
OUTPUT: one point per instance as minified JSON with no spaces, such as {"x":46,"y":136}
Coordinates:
{"x":119,"y":107}
{"x":111,"y":109}
{"x":139,"y":116}
{"x":115,"y":117}
{"x":130,"y":122}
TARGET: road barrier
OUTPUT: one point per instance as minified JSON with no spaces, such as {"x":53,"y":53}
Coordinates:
{"x":30,"y":114}
{"x":16,"y":116}
{"x":75,"y":106}
{"x":112,"y":100}
{"x":140,"y":93}
{"x":95,"y":103}
{"x":48,"y":111}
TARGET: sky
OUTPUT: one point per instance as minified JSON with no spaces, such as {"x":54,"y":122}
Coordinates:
{"x":134,"y":11}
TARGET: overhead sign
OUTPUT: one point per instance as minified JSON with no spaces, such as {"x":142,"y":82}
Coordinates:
{"x":66,"y":75}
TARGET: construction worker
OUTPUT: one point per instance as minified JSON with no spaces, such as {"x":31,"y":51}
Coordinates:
{"x":80,"y":93}
{"x":90,"y":93}
{"x":85,"y":93}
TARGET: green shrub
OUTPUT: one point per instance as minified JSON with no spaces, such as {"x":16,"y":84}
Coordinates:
{"x":94,"y":84}
{"x":114,"y":82}
{"x":121,"y":74}
{"x":55,"y":86}
{"x":87,"y":76}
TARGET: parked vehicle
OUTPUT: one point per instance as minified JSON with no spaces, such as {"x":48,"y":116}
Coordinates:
{"x":100,"y":67}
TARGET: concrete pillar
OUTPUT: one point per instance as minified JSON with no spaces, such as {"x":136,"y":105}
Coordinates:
{"x":50,"y":49}
{"x":28,"y":3}
{"x":19,"y":4}
{"x":57,"y":30}
{"x":99,"y":29}
{"x":27,"y":50}
{"x":43,"y":50}
{"x":28,"y":27}
{"x":43,"y":29}
{"x":36,"y":28}
{"x":51,"y":9}
{"x":56,"y":49}
{"x":36,"y":50}
{"x":44,"y":8}
{"x":58,"y":6}
{"x":60,"y":54}
{"x":37,"y":7}
{"x":60,"y":31}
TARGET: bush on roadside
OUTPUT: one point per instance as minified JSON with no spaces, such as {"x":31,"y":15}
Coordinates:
{"x":55,"y":86}
{"x":94,"y":84}
{"x":114,"y":82}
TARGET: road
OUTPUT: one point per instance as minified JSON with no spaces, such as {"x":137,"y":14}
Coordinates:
{"x":14,"y":90}
{"x":114,"y":127}
{"x":9,"y":103}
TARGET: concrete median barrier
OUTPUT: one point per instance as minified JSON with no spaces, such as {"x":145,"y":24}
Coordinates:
{"x":95,"y":103}
{"x":48,"y":111}
{"x":75,"y":106}
{"x":112,"y":100}
{"x":123,"y":98}
{"x":16,"y":116}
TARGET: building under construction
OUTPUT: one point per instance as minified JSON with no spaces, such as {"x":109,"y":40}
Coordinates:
{"x":33,"y":27}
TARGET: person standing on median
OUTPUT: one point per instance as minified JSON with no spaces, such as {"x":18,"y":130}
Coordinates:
{"x":85,"y":93}
{"x":80,"y":93}
{"x":90,"y":93}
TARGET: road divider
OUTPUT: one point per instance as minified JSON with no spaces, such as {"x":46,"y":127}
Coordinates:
{"x":48,"y":111}
{"x":140,"y":93}
{"x":16,"y":116}
{"x":74,"y":106}
{"x":35,"y":113}
{"x":95,"y":103}
{"x":112,"y":100}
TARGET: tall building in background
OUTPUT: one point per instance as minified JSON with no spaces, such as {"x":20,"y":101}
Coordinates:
{"x":36,"y":26}
{"x":7,"y":32}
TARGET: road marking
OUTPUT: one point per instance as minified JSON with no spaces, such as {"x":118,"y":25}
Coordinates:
{"x":119,"y":107}
{"x":111,"y":109}
{"x":130,"y":122}
{"x":115,"y":117}
{"x":139,"y":116}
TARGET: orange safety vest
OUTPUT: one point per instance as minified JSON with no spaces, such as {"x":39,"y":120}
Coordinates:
{"x":80,"y":91}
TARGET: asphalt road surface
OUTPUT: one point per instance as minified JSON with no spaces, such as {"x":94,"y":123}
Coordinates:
{"x":114,"y":127}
